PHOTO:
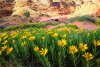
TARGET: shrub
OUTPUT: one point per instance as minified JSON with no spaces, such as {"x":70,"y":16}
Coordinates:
{"x":81,"y":18}
{"x":98,"y":22}
{"x":27,"y":14}
{"x":23,"y":26}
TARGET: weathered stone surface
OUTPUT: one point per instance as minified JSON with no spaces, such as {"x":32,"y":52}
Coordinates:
{"x":36,"y":7}
{"x":87,"y":9}
{"x":97,"y":13}
{"x":5,"y":9}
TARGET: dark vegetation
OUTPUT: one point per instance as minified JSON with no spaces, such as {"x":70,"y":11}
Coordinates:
{"x":23,"y":26}
{"x":82,"y":18}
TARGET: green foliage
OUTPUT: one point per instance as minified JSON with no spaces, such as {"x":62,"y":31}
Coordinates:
{"x":98,"y":22}
{"x":23,"y":26}
{"x":27,"y":14}
{"x":81,"y":18}
{"x":57,"y":55}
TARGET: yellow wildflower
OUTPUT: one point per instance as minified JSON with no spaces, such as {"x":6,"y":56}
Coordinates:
{"x":76,"y":30}
{"x":3,"y":48}
{"x":9,"y":50}
{"x":32,"y":38}
{"x":13,"y":41}
{"x":23,"y":43}
{"x":5,"y":42}
{"x":88,"y":56}
{"x":23,"y":37}
{"x":33,"y":31}
{"x":5,"y":37}
{"x":36,"y":48}
{"x":4,"y":34}
{"x":66,"y":29}
{"x":88,"y":34}
{"x":27,"y":33}
{"x":62,"y":42}
{"x":64,"y":36}
{"x":0,"y":52}
{"x":43,"y":51}
{"x":14,"y":36}
{"x":49,"y":32}
{"x":83,"y":47}
{"x":43,"y":38}
{"x":0,"y":39}
{"x":55,"y":35}
{"x":73,"y":49}
{"x":94,"y":31}
{"x":15,"y":32}
{"x":72,"y":24}
{"x":81,"y":30}
{"x":59,"y":30}
{"x":96,"y":43}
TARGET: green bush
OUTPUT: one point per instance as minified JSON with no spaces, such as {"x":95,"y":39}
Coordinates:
{"x":50,"y":48}
{"x":81,"y":18}
{"x":27,"y":14}
{"x":23,"y":26}
{"x":98,"y":22}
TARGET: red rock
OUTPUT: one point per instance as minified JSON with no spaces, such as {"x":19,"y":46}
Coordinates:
{"x":86,"y":25}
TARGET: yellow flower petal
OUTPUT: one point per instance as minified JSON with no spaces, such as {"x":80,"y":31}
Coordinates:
{"x":3,"y":48}
{"x":43,"y":51}
{"x":88,"y":56}
{"x":9,"y":50}
{"x":36,"y":48}
{"x":62,"y":42}
{"x":73,"y":49}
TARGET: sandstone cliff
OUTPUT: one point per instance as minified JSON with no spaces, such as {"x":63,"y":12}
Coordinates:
{"x":81,"y":7}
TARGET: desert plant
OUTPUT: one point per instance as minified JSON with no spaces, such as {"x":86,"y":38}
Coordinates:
{"x":97,"y":22}
{"x":23,"y":26}
{"x":81,"y":18}
{"x":27,"y":14}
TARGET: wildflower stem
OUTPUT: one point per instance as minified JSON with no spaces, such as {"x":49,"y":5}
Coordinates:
{"x":87,"y":64}
{"x":74,"y":60}
{"x":95,"y":50}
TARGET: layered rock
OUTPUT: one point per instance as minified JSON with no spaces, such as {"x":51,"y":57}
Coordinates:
{"x":21,"y":7}
{"x":5,"y":8}
{"x":83,"y":7}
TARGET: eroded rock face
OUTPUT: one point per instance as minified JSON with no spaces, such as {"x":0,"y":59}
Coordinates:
{"x":22,"y":5}
{"x":5,"y":8}
{"x":97,"y":13}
